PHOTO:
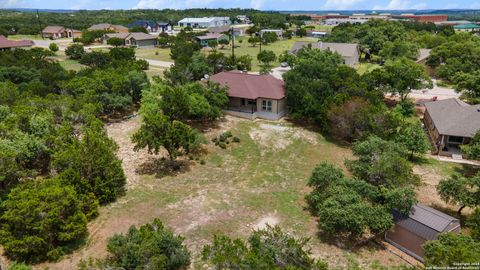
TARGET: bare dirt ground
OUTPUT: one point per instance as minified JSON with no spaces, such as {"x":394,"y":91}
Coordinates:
{"x":259,"y":181}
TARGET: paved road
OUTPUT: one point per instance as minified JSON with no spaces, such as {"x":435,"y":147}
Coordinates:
{"x":437,"y":91}
{"x":278,"y":72}
{"x":157,"y":63}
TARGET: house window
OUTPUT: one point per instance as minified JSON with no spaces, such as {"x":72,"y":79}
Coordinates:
{"x":252,"y":102}
{"x":267,"y":105}
{"x":455,"y":139}
{"x":243,"y":102}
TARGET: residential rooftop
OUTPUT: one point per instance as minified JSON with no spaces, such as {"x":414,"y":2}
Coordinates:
{"x":454,"y":117}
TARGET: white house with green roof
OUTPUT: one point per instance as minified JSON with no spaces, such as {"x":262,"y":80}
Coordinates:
{"x":467,"y":27}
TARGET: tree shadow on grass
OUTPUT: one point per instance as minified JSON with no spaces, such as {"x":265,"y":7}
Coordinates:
{"x":314,"y":128}
{"x":354,"y":245}
{"x":206,"y":126}
{"x":162,"y":167}
{"x":468,"y":170}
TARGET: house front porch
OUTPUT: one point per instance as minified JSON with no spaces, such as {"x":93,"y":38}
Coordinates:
{"x":256,"y":108}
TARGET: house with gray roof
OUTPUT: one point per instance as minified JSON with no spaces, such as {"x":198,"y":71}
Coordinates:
{"x":422,"y":224}
{"x":349,"y":51}
{"x":136,"y":39}
{"x":109,"y":27}
{"x":451,"y":123}
{"x":204,"y":22}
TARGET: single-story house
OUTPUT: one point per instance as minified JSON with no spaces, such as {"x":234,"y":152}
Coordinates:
{"x":165,"y":27}
{"x":6,"y":44}
{"x":109,"y":27}
{"x":55,"y":32}
{"x":316,"y":34}
{"x":136,"y":39}
{"x":237,"y":31}
{"x":279,"y":32}
{"x":422,"y":224}
{"x":468,"y":27}
{"x":451,"y":123}
{"x":149,"y":25}
{"x":253,"y":96}
{"x":204,"y":22}
{"x":349,"y":51}
{"x":205,"y":39}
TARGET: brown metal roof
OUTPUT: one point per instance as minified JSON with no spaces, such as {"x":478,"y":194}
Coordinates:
{"x":6,"y":43}
{"x":454,"y":117}
{"x":250,"y":86}
{"x":425,"y":221}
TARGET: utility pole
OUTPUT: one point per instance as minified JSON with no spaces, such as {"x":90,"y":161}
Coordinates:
{"x":260,"y":35}
{"x":39,"y":24}
{"x":233,"y":44}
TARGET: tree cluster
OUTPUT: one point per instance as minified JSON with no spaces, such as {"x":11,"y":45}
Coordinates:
{"x":57,"y":163}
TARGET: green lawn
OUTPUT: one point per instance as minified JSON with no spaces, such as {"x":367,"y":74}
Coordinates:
{"x":277,"y":47}
{"x":366,"y":67}
{"x":20,"y":37}
{"x":154,"y":54}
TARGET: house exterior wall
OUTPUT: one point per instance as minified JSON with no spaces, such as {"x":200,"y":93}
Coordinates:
{"x":236,"y":108}
{"x":202,"y":24}
{"x":54,"y":35}
{"x":353,"y":60}
{"x":440,"y":140}
{"x":407,"y":241}
{"x":147,"y":43}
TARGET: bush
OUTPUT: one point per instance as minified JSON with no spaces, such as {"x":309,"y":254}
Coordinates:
{"x":41,"y":221}
{"x":75,"y":51}
{"x":151,"y":247}
{"x":53,"y":47}
{"x":270,"y":248}
{"x":225,"y":138}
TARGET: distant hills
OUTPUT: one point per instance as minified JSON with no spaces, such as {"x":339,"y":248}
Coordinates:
{"x":345,"y":12}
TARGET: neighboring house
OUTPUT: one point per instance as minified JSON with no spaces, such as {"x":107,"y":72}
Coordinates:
{"x":279,"y":32}
{"x":316,"y":34}
{"x":55,"y":32}
{"x":349,"y":51}
{"x":423,"y":56}
{"x":253,"y":96}
{"x":204,"y":40}
{"x":451,"y":123}
{"x":243,"y":19}
{"x":219,"y":29}
{"x":204,"y":22}
{"x":136,"y":39}
{"x":165,"y":27}
{"x":422,"y":224}
{"x":6,"y":44}
{"x":468,"y":27}
{"x":109,"y":27}
{"x":150,"y":26}
{"x":237,"y":31}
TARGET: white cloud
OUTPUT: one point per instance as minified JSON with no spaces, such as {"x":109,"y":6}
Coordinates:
{"x":475,"y":5}
{"x":341,"y":4}
{"x":395,"y":4}
{"x":257,"y":4}
{"x":9,"y":3}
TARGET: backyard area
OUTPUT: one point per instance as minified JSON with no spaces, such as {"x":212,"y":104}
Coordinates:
{"x":260,"y":180}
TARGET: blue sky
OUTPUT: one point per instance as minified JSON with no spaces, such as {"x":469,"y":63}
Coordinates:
{"x":258,"y":4}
